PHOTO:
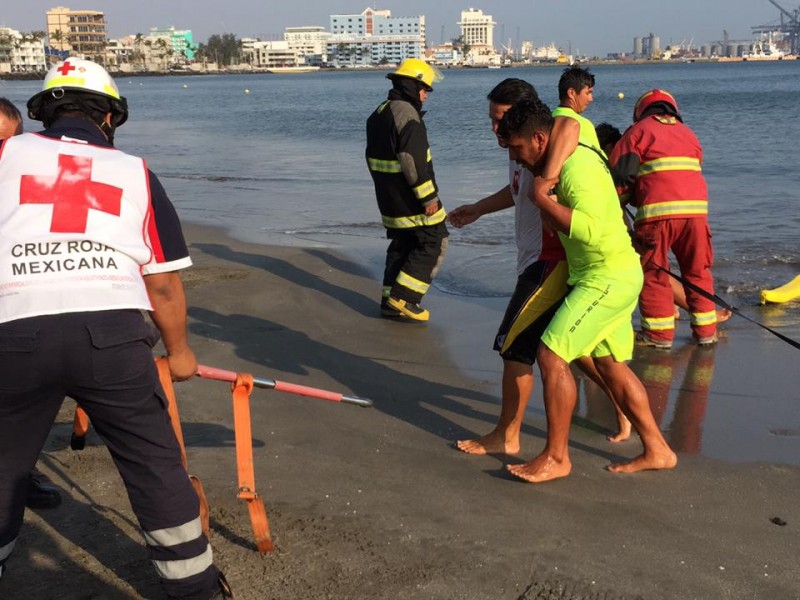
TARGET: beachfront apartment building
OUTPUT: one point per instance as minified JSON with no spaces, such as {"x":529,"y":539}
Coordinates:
{"x":310,"y":43}
{"x":375,"y":37}
{"x":81,"y":33}
{"x":445,"y":54}
{"x":269,"y":54}
{"x":21,"y":52}
{"x":160,"y":50}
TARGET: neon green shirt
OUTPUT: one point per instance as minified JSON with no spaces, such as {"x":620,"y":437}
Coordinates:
{"x":587,"y":135}
{"x":598,"y":245}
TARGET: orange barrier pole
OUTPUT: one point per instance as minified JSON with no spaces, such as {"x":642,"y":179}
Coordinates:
{"x":207,"y":372}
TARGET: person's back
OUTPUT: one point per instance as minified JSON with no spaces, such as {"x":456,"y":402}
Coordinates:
{"x":90,"y":238}
{"x":668,"y":160}
{"x":396,"y":127}
{"x":89,"y":241}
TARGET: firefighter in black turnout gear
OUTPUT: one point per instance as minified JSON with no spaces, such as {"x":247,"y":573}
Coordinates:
{"x":399,"y":160}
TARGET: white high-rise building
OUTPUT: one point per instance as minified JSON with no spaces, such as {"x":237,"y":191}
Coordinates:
{"x":21,"y":52}
{"x":310,"y":42}
{"x":477,"y":29}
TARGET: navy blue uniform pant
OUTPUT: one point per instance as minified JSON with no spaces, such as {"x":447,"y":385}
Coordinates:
{"x":104,"y":361}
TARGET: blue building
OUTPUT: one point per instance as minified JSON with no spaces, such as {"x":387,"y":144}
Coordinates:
{"x":375,"y":37}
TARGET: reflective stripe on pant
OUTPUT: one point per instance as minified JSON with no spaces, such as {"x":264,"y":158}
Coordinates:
{"x":690,"y":242}
{"x":104,"y":361}
{"x":413,"y":258}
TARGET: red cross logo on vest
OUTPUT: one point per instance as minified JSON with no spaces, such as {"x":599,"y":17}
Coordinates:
{"x":72,"y":193}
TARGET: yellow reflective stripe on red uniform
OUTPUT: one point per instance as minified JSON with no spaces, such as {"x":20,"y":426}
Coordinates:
{"x":656,"y":373}
{"x":704,"y":318}
{"x":415,"y":285}
{"x":669,"y":163}
{"x":424,"y":189}
{"x":658,"y":323}
{"x":702,"y":375}
{"x":414,"y":220}
{"x":668,"y":209}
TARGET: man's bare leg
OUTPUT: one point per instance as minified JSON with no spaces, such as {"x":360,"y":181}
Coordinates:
{"x":504,"y":438}
{"x":586,"y":364}
{"x":632,"y":397}
{"x":560,"y":396}
{"x":679,"y":298}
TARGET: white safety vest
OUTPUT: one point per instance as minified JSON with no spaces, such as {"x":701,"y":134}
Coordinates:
{"x":73,"y":228}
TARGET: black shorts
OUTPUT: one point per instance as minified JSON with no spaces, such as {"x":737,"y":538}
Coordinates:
{"x":539,"y":292}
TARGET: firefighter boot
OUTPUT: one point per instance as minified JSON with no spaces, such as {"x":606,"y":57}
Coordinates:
{"x":411,"y":310}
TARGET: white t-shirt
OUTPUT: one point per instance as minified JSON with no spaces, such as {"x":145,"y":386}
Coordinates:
{"x":534,"y":241}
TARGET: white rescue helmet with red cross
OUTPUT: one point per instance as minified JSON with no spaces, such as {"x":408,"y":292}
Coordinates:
{"x":76,"y":75}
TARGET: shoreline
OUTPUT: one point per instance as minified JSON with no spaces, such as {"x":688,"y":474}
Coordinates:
{"x":375,"y":503}
{"x":541,"y":64}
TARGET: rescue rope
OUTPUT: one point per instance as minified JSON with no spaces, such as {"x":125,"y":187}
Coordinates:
{"x":719,"y":301}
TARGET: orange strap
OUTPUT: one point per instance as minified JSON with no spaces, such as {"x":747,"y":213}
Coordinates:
{"x":162,"y":364}
{"x":244,"y":451}
{"x":241,"y":389}
{"x":80,"y":424}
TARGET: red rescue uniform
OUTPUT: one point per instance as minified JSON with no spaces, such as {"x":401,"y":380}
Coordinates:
{"x":658,"y":168}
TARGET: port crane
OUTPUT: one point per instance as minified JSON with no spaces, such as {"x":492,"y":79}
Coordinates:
{"x":790,"y":26}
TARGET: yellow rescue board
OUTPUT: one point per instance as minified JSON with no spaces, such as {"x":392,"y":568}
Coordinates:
{"x":789,"y":291}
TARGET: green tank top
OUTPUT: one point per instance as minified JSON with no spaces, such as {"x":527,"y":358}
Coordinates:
{"x":587,"y":135}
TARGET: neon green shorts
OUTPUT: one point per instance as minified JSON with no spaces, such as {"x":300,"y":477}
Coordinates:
{"x":595,"y":320}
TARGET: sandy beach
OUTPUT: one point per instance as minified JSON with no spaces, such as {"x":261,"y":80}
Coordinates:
{"x":376,"y":503}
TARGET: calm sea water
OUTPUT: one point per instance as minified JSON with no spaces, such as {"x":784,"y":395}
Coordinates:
{"x":279,"y":159}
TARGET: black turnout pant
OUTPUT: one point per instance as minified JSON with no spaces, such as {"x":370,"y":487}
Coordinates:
{"x":412,"y":261}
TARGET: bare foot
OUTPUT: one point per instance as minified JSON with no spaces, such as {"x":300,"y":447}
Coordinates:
{"x":492,"y":443}
{"x":623,"y":430}
{"x":647,"y":462}
{"x":540,"y":469}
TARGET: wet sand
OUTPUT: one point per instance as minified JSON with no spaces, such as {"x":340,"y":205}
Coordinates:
{"x":376,"y":503}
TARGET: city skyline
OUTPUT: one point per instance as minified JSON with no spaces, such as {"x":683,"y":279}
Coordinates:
{"x":580,"y":26}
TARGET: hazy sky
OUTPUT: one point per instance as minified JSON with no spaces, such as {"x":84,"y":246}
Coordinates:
{"x":593,"y":27}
